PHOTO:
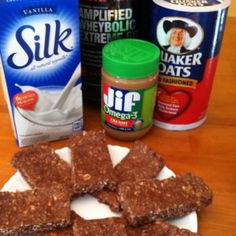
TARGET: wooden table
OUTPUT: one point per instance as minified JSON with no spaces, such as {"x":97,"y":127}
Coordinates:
{"x":208,"y":151}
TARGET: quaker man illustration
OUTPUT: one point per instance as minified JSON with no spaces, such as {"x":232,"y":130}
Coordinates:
{"x":179,"y":35}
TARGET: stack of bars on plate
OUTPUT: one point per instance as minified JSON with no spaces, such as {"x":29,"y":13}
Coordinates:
{"x":130,"y":187}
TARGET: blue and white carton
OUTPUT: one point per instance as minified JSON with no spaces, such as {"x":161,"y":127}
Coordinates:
{"x":41,"y":68}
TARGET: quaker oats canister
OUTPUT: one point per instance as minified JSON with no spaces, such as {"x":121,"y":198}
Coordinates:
{"x":189,"y":34}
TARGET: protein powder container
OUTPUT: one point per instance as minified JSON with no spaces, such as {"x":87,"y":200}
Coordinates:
{"x":189,"y":34}
{"x":129,"y":80}
{"x":100,"y":23}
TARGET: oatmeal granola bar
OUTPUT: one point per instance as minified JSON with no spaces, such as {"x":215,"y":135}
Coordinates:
{"x":110,"y":198}
{"x":144,"y":201}
{"x":141,"y":162}
{"x":67,"y":231}
{"x":42,"y":167}
{"x":159,"y":228}
{"x":113,"y":226}
{"x":34,"y":210}
{"x":91,"y":163}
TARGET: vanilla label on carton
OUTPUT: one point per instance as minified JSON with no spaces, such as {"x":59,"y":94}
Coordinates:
{"x":41,"y":68}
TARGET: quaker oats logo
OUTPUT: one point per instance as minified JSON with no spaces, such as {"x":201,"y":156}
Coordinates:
{"x":179,"y":35}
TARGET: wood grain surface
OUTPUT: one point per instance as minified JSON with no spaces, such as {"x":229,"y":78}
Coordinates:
{"x":208,"y":151}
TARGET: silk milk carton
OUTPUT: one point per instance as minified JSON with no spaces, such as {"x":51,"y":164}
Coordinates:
{"x":40,"y":68}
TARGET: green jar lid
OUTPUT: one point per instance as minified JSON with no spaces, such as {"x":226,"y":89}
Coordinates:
{"x":130,"y":58}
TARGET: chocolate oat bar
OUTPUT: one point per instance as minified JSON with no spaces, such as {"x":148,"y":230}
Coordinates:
{"x":141,"y":162}
{"x":91,"y":163}
{"x":110,"y":198}
{"x":23,"y":213}
{"x":144,"y":201}
{"x":42,"y":167}
{"x":159,"y":228}
{"x":67,"y":231}
{"x":113,"y":226}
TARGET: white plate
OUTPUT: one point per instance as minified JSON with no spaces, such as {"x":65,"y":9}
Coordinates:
{"x":87,"y":206}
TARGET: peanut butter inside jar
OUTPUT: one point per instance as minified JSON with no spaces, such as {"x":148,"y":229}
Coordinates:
{"x":129,"y":81}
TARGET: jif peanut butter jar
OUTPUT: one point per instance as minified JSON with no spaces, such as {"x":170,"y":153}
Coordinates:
{"x":129,"y":84}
